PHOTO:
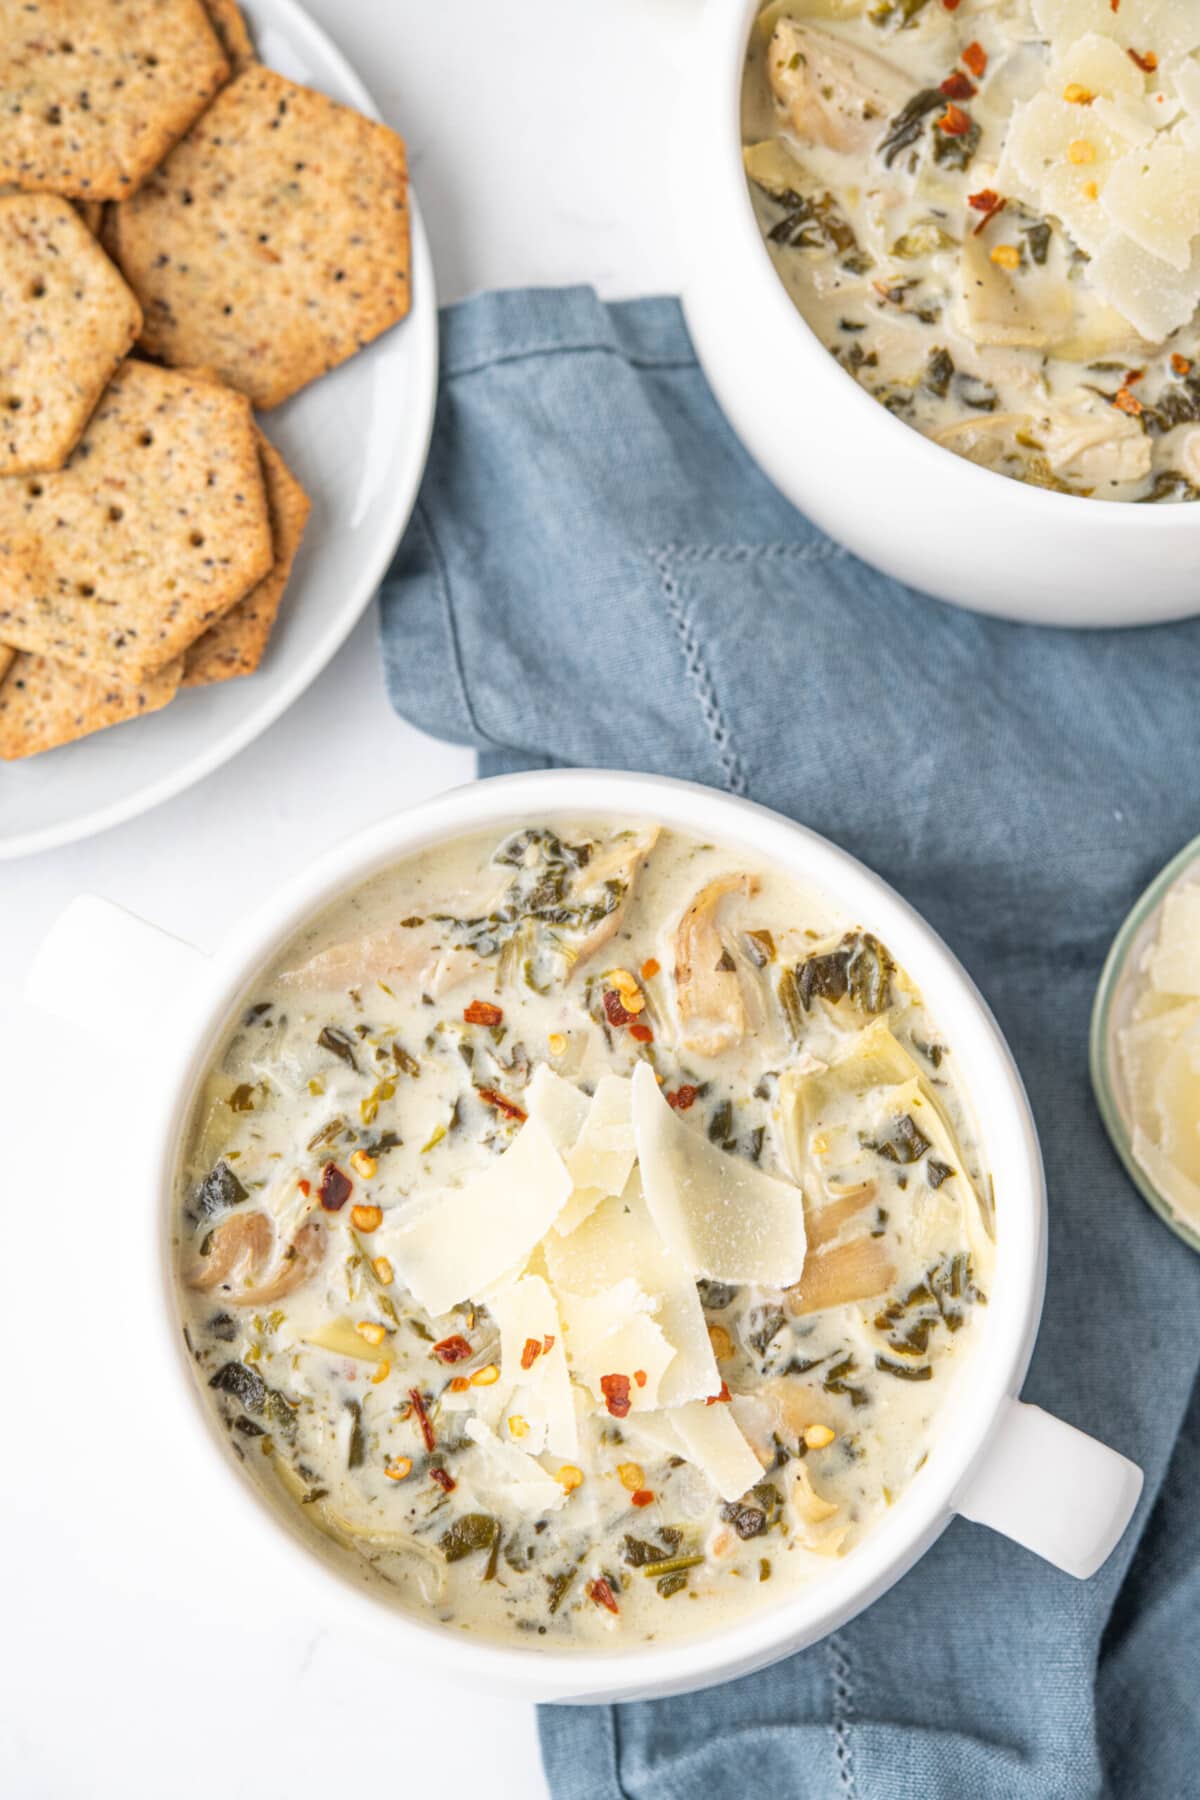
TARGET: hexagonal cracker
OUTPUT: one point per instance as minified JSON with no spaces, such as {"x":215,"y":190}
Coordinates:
{"x":93,"y":96}
{"x":273,"y":243}
{"x":67,"y":321}
{"x":157,"y":525}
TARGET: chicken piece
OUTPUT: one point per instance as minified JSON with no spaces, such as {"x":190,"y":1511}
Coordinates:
{"x":242,"y":1244}
{"x":832,"y":92}
{"x":242,"y":1241}
{"x":708,"y":989}
{"x":415,"y":956}
{"x":620,"y":864}
{"x":841,"y":1275}
{"x":824,"y":1224}
{"x":302,"y":1258}
{"x":1097,"y":448}
{"x":989,"y":439}
{"x":1189,"y":458}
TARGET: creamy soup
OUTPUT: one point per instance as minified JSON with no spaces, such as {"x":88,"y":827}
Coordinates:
{"x":584,"y":1231}
{"x":988,"y":213}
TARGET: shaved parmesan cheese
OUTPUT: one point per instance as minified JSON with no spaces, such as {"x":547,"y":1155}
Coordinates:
{"x":1175,"y":962}
{"x":470,"y":1236}
{"x":511,"y":1476}
{"x":722,"y":1216}
{"x":612,"y":1333}
{"x":593,"y":1136}
{"x":1066,"y":154}
{"x":1160,"y":1058}
{"x":558,"y":1106}
{"x":533,"y":1364}
{"x":1098,"y":64}
{"x":604,"y":1152}
{"x":1168,"y":27}
{"x":1181,"y":1195}
{"x":1187,"y":85}
{"x":1154,"y":297}
{"x":709,"y":1437}
{"x":620,"y":1239}
{"x":712,"y":1440}
{"x":1177,"y":1105}
{"x":1153,"y":196}
{"x":1144,"y":1049}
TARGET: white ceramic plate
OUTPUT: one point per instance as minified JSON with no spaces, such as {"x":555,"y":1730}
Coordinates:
{"x":358,"y":440}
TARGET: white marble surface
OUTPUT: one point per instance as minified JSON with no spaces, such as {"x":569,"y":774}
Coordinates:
{"x":129,"y":1665}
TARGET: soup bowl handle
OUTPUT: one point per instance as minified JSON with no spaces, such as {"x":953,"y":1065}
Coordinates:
{"x":113,"y":974}
{"x":1050,"y":1487}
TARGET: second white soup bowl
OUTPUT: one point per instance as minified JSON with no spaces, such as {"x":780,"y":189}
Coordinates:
{"x":909,"y":506}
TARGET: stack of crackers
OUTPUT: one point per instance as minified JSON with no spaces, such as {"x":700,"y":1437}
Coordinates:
{"x":185,"y":236}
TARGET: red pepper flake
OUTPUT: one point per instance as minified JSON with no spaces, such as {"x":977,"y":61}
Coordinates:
{"x":615,"y":1389}
{"x":682,"y":1098}
{"x":1126,"y":402}
{"x":951,"y":5}
{"x":614,"y":1012}
{"x":509,"y":1108}
{"x":530,"y":1353}
{"x":954,"y":122}
{"x":418,"y":1406}
{"x":643,"y":1497}
{"x":305,"y":1188}
{"x":460,"y":1384}
{"x":1180,"y":364}
{"x":602,"y":1594}
{"x":1147,"y":63}
{"x":1133,"y":375}
{"x":975,"y":57}
{"x":547,"y":1344}
{"x":650,"y":968}
{"x":958,"y":86}
{"x":444,"y":1480}
{"x":453,"y":1349}
{"x":715,"y":1399}
{"x":642,"y":1033}
{"x":639,"y":1375}
{"x":336,"y":1188}
{"x":482,"y":1012}
{"x":988,"y":202}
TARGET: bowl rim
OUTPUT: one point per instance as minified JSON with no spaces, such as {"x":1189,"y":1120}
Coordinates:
{"x":1008,"y":1142}
{"x":727,"y":31}
{"x":1103,"y":1054}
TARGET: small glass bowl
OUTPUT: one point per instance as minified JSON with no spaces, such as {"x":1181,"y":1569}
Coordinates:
{"x":1112,"y":1009}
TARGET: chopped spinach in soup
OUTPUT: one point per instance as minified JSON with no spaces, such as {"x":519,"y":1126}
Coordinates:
{"x":989,"y":214}
{"x":584,"y":1233}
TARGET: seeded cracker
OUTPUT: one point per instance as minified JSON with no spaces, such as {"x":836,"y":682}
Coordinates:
{"x":236,"y":643}
{"x":44,"y":704}
{"x":226,"y":20}
{"x":93,"y":93}
{"x":66,"y":321}
{"x":273,"y":243}
{"x":157,"y":525}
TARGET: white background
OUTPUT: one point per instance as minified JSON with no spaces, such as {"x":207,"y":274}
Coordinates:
{"x":136,"y":1659}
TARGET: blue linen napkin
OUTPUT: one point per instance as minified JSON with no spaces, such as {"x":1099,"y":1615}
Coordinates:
{"x":597,"y":574}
